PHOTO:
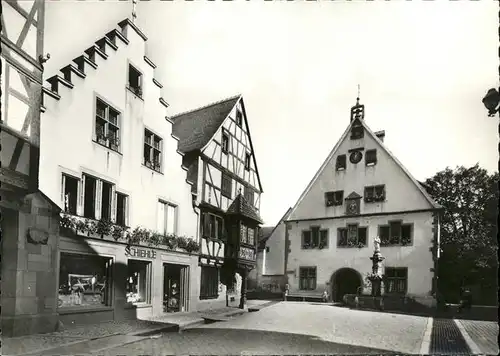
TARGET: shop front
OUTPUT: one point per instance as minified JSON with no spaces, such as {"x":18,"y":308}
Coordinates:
{"x":103,"y":280}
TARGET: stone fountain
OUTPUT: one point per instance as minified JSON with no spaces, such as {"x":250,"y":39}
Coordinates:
{"x":375,"y":277}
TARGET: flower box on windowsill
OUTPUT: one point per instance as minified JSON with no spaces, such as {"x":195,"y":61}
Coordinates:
{"x":101,"y":140}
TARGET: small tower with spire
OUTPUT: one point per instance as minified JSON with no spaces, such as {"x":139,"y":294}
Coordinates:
{"x":358,"y":111}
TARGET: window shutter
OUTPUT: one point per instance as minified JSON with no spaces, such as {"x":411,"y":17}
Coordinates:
{"x":342,"y":237}
{"x":306,"y":239}
{"x":161,"y":218}
{"x":98,"y":198}
{"x":384,"y":232}
{"x":362,"y":234}
{"x":113,"y":203}
{"x":81,"y":196}
{"x":63,"y":198}
{"x":126,"y":209}
{"x":406,"y":233}
{"x":170,"y":219}
{"x":324,"y":238}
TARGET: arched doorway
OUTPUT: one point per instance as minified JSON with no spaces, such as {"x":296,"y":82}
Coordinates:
{"x":345,"y":281}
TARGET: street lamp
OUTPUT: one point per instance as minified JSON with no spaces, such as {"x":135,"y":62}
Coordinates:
{"x":491,"y":101}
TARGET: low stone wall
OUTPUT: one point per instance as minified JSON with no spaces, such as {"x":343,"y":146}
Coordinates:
{"x":390,"y":303}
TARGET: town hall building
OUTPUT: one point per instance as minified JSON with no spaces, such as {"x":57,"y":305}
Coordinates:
{"x":360,"y":192}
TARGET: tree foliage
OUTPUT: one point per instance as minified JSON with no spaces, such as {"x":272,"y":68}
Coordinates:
{"x":469,"y":197}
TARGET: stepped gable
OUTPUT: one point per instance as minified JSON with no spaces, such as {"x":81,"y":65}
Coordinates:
{"x":195,"y":128}
{"x":240,"y":206}
{"x":84,"y":63}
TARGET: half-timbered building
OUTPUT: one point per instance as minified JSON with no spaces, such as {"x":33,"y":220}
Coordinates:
{"x":360,"y":192}
{"x":220,"y":158}
{"x":29,"y":221}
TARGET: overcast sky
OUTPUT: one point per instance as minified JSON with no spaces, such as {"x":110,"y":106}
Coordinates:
{"x":423,"y":68}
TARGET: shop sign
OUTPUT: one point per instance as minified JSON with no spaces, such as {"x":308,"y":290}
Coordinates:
{"x":140,"y":252}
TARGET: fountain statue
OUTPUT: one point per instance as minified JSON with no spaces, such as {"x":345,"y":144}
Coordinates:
{"x":375,"y":277}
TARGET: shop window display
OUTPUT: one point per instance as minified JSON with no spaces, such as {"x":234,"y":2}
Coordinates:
{"x":138,"y":281}
{"x":84,"y":281}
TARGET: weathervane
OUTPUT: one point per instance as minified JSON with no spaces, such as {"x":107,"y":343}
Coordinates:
{"x":357,"y":99}
{"x":134,"y":13}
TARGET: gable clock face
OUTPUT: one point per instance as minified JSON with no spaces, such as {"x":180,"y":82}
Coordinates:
{"x":352,"y":207}
{"x":355,"y":157}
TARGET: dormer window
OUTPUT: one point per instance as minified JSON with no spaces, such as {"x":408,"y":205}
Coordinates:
{"x":334,"y":198}
{"x":247,"y":161}
{"x":135,"y":80}
{"x":371,"y":157}
{"x":225,"y":142}
{"x":341,"y":163}
{"x":357,"y":131}
{"x":375,"y":193}
{"x":239,"y":118}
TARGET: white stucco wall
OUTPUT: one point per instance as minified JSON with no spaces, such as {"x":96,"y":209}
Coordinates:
{"x":274,"y":260}
{"x":401,"y":192}
{"x":67,"y":131}
{"x":416,"y":256}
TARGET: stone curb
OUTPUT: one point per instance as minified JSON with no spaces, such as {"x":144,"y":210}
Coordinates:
{"x":468,"y":340}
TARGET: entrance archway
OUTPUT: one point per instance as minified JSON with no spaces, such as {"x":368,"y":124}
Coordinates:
{"x":345,"y":281}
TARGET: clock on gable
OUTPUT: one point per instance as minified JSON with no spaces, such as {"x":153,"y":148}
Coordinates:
{"x":352,"y":205}
{"x":355,"y":157}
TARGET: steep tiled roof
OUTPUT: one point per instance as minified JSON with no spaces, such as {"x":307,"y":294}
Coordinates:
{"x":195,"y":128}
{"x":240,"y":206}
{"x":265,"y":232}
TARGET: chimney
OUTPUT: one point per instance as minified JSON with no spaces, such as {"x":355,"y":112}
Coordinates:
{"x":380,"y":135}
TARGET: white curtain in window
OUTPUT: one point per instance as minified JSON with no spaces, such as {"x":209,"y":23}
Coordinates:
{"x":170,"y":219}
{"x":161,"y":218}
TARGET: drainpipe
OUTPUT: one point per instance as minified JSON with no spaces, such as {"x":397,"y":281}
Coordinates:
{"x":196,"y":209}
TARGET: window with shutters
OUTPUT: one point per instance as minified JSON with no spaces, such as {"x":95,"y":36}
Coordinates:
{"x":371,"y":157}
{"x":239,"y":118}
{"x":212,"y":226}
{"x":375,"y":193}
{"x":396,"y":280}
{"x":341,"y":163}
{"x":69,"y":192}
{"x":225,"y":141}
{"x":314,"y":238}
{"x":226,"y":185}
{"x":209,"y":283}
{"x":357,"y":131}
{"x":135,"y":80}
{"x":335,"y":198}
{"x":396,"y":234}
{"x":352,"y":236}
{"x":121,"y":209}
{"x":167,"y":218}
{"x":107,"y":125}
{"x":98,"y":198}
{"x":153,"y":147}
{"x":307,"y":278}
{"x":250,"y":195}
{"x":247,"y":161}
{"x":89,"y":196}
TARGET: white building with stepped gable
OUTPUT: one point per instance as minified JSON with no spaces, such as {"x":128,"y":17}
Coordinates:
{"x":129,"y":240}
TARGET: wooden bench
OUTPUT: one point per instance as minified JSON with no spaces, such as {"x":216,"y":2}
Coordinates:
{"x":304,"y":296}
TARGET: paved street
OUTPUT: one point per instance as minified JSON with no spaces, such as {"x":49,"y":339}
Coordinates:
{"x":292,"y":328}
{"x":484,"y":334}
